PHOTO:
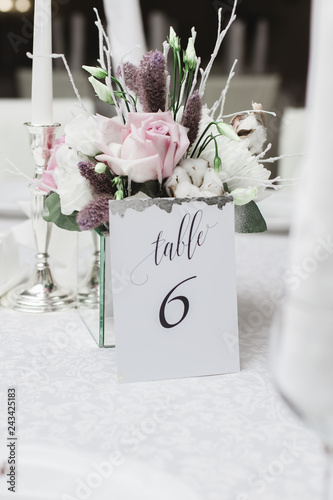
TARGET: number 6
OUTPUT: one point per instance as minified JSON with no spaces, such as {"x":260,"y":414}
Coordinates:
{"x":166,"y":301}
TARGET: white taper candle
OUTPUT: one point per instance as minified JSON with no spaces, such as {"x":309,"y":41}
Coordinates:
{"x":42,"y":87}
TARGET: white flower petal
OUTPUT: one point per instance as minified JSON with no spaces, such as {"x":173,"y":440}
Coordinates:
{"x":81,"y":133}
{"x":73,"y":189}
{"x":240,"y":169}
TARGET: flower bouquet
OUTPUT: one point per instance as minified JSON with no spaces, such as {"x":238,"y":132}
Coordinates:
{"x":162,"y":142}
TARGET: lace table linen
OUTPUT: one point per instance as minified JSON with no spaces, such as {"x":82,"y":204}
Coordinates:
{"x":82,"y":435}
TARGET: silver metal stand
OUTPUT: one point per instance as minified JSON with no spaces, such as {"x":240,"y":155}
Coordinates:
{"x":40,"y":293}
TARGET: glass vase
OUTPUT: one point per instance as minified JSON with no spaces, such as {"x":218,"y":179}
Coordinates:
{"x":94,"y":293}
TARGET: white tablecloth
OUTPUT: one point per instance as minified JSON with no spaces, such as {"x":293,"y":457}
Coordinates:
{"x":81,"y":435}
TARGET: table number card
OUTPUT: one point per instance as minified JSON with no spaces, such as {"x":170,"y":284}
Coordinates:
{"x":175,"y":313}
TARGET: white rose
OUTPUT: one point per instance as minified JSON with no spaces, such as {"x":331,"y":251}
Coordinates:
{"x":81,"y":134}
{"x":73,"y":189}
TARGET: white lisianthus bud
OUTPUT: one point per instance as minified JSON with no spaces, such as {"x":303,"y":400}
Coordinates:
{"x":227,"y":130}
{"x":102,"y":91}
{"x":100,"y":168}
{"x":195,"y":168}
{"x":217,"y":163}
{"x":96,"y":72}
{"x":190,"y":57}
{"x":173,"y":39}
{"x":242,"y":196}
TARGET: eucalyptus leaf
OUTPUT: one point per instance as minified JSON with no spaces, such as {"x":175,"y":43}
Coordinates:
{"x":248,"y":219}
{"x":54,"y":214}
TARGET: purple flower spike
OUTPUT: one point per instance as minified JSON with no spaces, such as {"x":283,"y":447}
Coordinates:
{"x":100,"y":183}
{"x":130,"y":74}
{"x":151,"y":80}
{"x":94,"y":214}
{"x":192,"y":116}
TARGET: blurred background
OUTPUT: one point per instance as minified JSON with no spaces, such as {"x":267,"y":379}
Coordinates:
{"x":269,"y":39}
{"x":281,"y":27}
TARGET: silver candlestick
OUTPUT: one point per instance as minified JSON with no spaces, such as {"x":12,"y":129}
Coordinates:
{"x":40,"y":293}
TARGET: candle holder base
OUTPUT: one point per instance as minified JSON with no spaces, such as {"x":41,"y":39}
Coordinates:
{"x":39,"y":295}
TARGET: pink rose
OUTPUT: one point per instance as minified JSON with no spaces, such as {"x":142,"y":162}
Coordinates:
{"x":147,"y":147}
{"x":47,"y":179}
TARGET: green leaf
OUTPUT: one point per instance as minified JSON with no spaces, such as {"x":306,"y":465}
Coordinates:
{"x":54,"y":214}
{"x":96,"y":72}
{"x":248,"y":219}
{"x":150,"y":188}
{"x":102,"y":91}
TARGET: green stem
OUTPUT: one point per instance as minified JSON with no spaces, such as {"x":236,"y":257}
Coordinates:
{"x":113,"y":79}
{"x":173,"y":101}
{"x":204,"y":145}
{"x":108,"y":172}
{"x":134,"y":100}
{"x":218,"y":166}
{"x":179,"y":84}
{"x":201,"y":137}
{"x":207,"y":141}
{"x":189,"y":84}
{"x":179,"y":92}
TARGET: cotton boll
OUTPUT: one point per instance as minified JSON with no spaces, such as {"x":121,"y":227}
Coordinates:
{"x":207,"y":194}
{"x":187,"y":190}
{"x":244,"y":123}
{"x":212,"y":183}
{"x":250,"y":128}
{"x":179,"y":175}
{"x":257,"y":139}
{"x":196,"y":169}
